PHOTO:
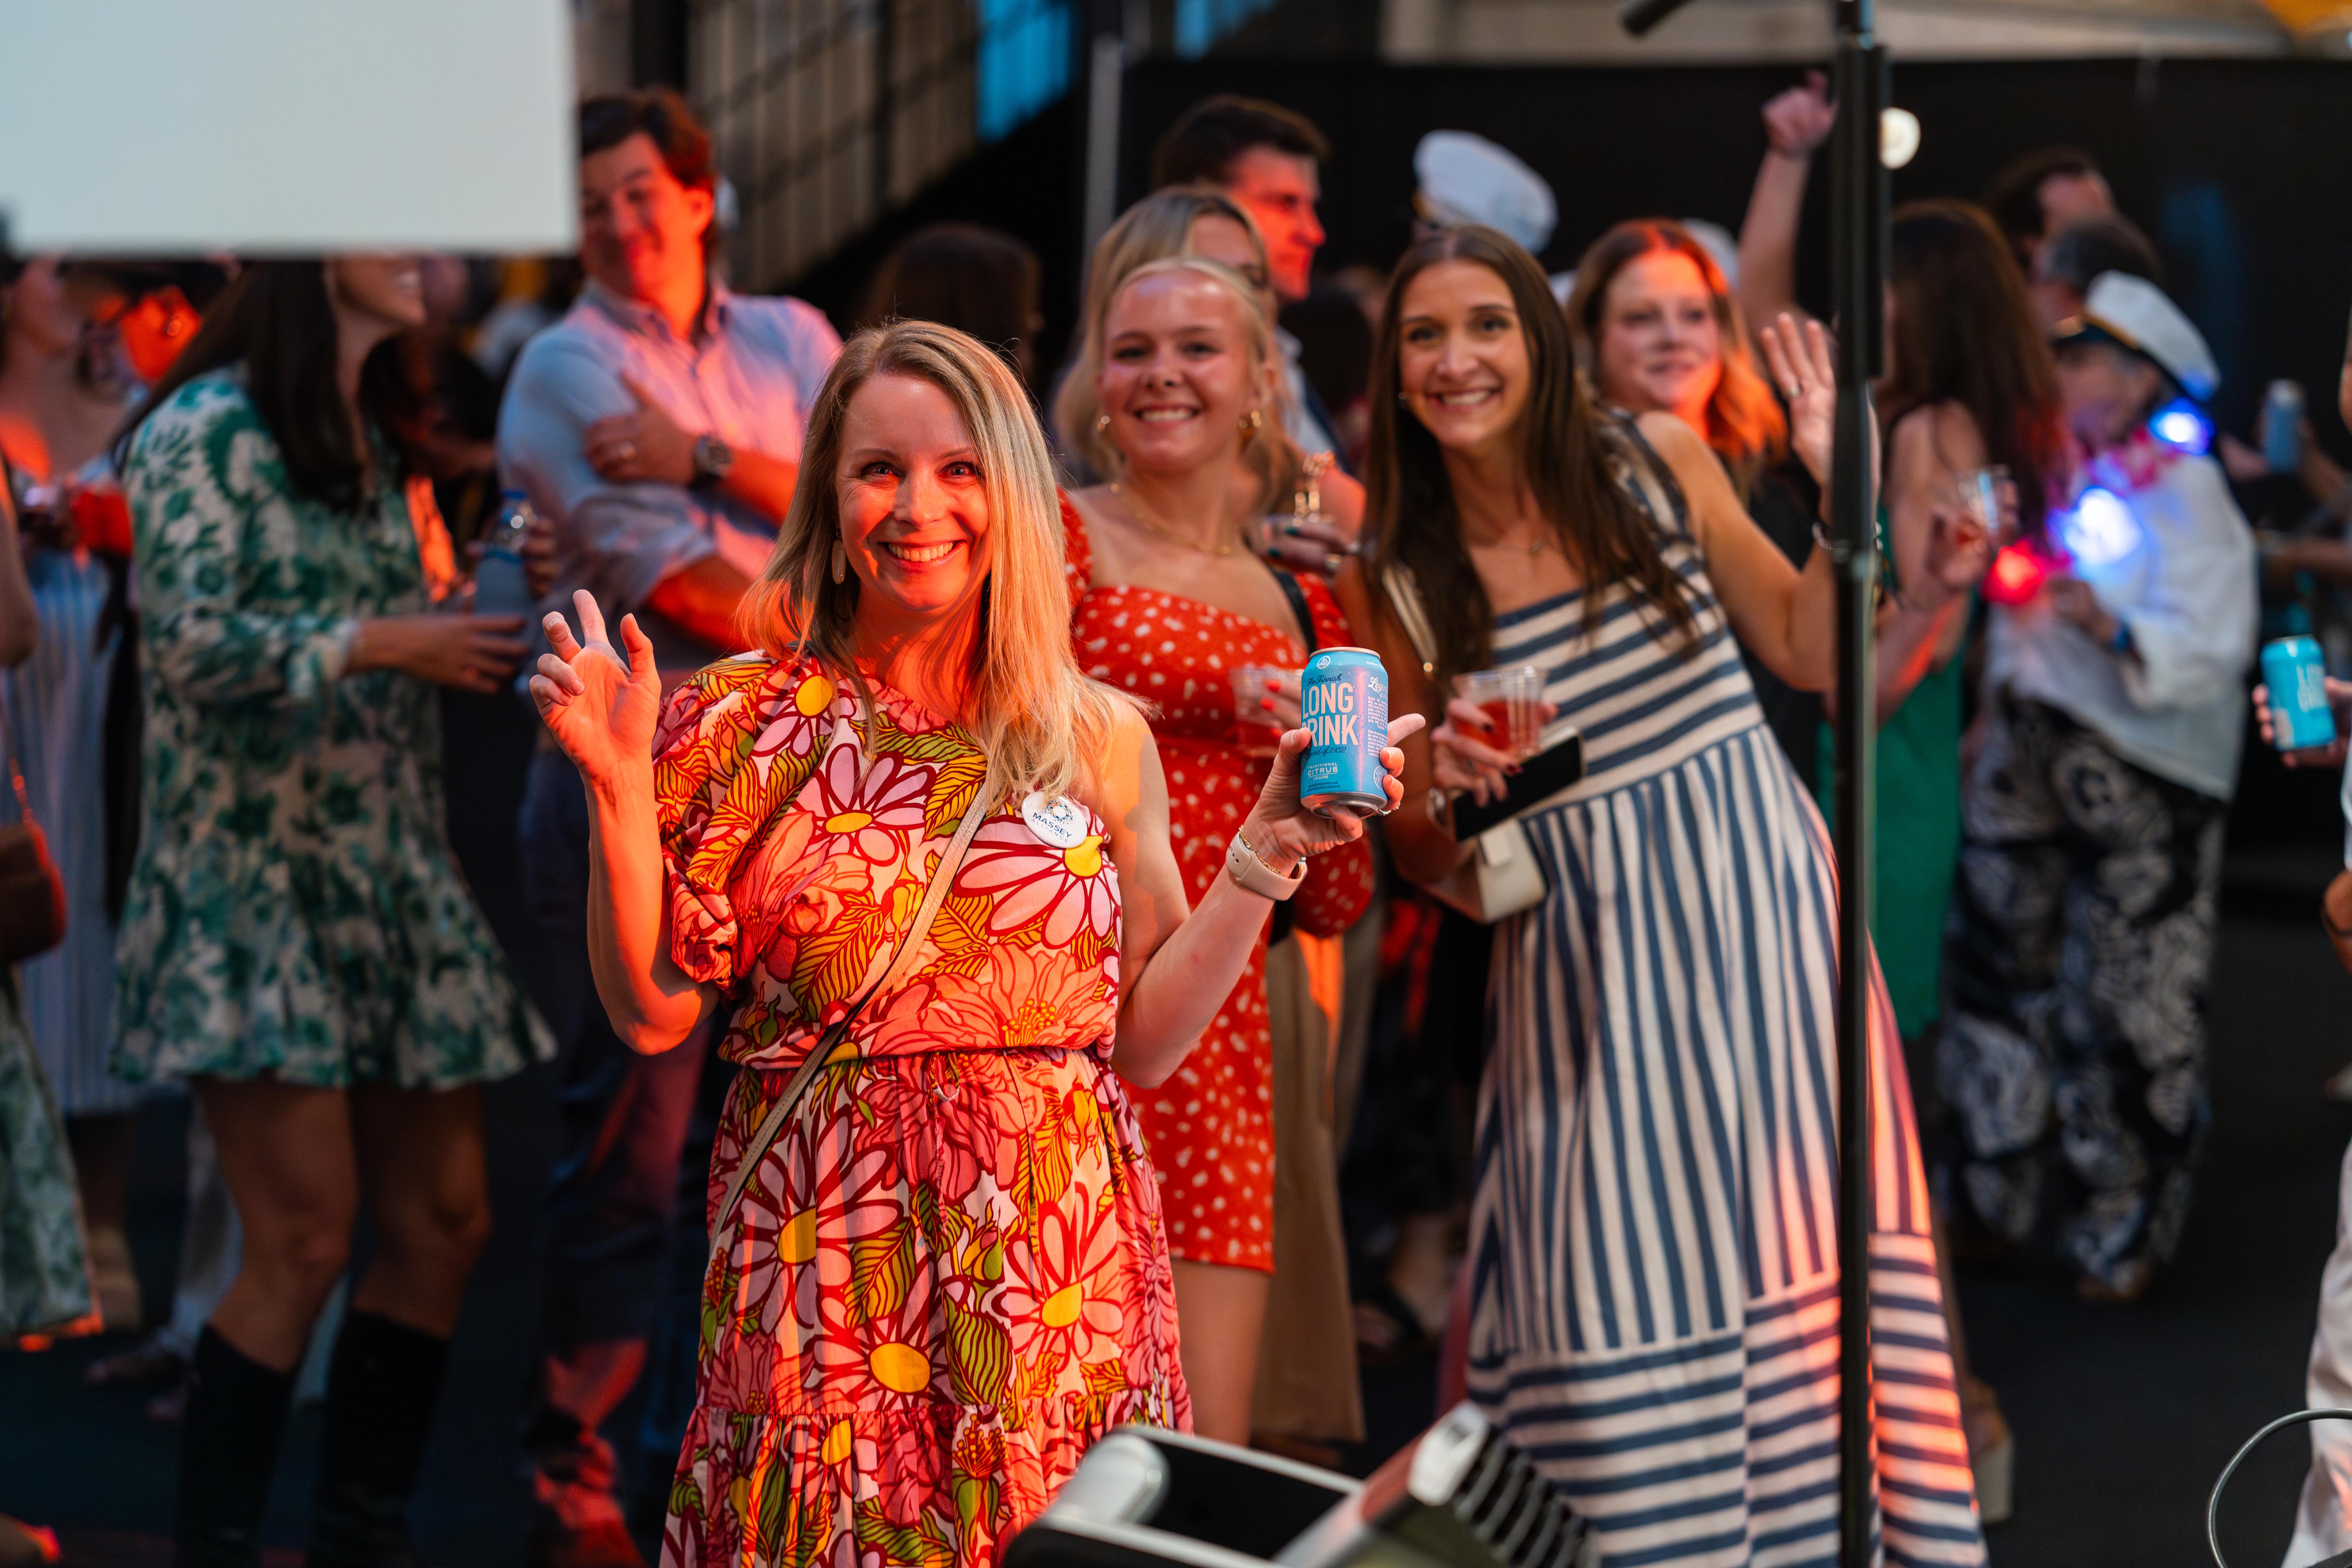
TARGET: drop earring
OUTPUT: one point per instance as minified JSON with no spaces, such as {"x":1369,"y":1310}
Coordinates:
{"x":1252,"y":423}
{"x":840,"y":561}
{"x":1102,"y":423}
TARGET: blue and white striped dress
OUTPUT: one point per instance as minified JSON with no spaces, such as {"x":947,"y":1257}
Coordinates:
{"x":55,"y":707}
{"x":1653,"y":1246}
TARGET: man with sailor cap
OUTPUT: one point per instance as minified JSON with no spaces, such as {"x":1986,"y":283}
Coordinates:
{"x":2098,"y":779}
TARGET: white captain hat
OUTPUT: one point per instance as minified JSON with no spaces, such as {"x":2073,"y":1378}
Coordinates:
{"x":1468,"y":179}
{"x":2134,"y":314}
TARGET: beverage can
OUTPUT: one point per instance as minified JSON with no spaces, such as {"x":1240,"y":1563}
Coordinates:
{"x":2297,"y":676}
{"x":1343,"y":701}
{"x":2282,"y":428}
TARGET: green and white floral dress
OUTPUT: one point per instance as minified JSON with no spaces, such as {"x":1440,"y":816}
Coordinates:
{"x":294,"y":911}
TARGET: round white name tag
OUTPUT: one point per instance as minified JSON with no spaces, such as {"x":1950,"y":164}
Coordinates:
{"x":1061,"y":822}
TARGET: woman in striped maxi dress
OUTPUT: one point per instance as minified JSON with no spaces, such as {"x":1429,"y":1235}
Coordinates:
{"x":1653,"y":1263}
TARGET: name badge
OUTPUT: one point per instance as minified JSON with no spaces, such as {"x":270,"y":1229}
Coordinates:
{"x":1061,"y":822}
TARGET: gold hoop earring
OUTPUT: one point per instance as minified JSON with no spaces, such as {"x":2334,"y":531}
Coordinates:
{"x":840,"y":561}
{"x":1102,"y":423}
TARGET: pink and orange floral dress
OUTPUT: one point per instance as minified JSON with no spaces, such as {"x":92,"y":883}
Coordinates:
{"x":1210,"y":1127}
{"x":949,"y":1275}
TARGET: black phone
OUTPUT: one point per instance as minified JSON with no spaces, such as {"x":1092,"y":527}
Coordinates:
{"x":1541,"y":777}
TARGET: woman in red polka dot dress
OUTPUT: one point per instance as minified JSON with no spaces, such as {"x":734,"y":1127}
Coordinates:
{"x":1167,"y":602}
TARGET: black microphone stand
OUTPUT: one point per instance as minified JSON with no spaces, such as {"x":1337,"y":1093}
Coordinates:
{"x":1858,"y":243}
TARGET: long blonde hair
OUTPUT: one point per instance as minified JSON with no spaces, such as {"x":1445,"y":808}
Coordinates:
{"x":1268,"y":449}
{"x":1156,"y":229}
{"x":1038,"y":717}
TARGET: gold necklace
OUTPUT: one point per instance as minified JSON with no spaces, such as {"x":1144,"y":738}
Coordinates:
{"x":1152,"y":525}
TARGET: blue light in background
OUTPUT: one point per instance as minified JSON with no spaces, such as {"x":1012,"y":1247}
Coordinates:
{"x":1026,"y":50}
{"x":1201,"y":23}
{"x":2183,"y":426}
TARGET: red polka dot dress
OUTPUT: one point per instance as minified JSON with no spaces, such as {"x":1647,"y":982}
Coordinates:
{"x":1210,"y":1127}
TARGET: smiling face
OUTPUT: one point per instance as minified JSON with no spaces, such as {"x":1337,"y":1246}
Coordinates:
{"x":913,"y":502}
{"x":1177,"y":375}
{"x":1462,"y":357}
{"x":383,"y":289}
{"x":1279,"y":191}
{"x":1660,"y":345}
{"x":640,"y":229}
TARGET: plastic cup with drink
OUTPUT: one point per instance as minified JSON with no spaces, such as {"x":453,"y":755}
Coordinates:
{"x":1509,"y":695}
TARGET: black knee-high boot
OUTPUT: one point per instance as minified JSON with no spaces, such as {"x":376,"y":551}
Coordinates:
{"x":381,"y":1390}
{"x":228,"y":1450}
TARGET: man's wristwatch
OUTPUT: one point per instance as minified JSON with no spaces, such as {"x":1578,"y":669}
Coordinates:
{"x":1253,"y":875}
{"x":714,"y":460}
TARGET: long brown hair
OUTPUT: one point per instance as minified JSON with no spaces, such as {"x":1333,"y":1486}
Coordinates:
{"x":277,"y":321}
{"x":1966,"y":333}
{"x":1745,"y":425}
{"x":1566,"y":456}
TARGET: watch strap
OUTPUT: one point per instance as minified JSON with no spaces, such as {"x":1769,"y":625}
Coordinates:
{"x":1253,"y":875}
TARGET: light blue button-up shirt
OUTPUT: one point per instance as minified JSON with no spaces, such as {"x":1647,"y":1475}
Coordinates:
{"x":748,"y":376}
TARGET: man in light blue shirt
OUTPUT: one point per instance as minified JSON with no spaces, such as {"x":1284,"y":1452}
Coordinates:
{"x":658,"y":425}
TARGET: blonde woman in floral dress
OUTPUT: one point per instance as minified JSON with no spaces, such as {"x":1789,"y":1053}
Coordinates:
{"x":948,"y":1275}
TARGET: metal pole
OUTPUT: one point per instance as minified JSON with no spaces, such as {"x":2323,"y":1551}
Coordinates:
{"x":1105,"y":73}
{"x":1858,"y":247}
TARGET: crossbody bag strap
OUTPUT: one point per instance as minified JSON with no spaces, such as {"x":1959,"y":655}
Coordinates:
{"x":1404,"y":598}
{"x":820,"y":1055}
{"x":1300,"y":608}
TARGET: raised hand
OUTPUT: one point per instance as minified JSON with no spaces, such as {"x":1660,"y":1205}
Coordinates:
{"x":600,"y":707}
{"x":1283,"y":828}
{"x":1805,"y":370}
{"x":1797,"y":121}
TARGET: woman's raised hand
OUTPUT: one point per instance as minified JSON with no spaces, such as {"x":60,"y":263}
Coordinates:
{"x":1805,"y":370}
{"x":600,"y":707}
{"x":1282,"y":829}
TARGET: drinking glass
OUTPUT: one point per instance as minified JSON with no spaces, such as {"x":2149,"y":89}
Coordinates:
{"x":1988,"y":495}
{"x":1507,"y":695}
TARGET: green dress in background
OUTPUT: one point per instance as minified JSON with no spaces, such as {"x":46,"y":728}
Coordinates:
{"x":43,"y":1268}
{"x":1919,"y":832}
{"x":294,"y":910}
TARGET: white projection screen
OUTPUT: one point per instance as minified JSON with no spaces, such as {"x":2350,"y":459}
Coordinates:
{"x":287,"y":126}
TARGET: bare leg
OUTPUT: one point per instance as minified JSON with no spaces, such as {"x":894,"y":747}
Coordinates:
{"x":286,"y":1153}
{"x":1220,"y":1313}
{"x":420,"y":1155}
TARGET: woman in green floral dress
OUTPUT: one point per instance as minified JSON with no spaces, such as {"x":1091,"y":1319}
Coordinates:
{"x":297,"y":942}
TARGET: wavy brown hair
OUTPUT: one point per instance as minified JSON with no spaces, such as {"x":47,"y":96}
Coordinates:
{"x":1745,"y":424}
{"x":1568,"y":454}
{"x":1966,"y":333}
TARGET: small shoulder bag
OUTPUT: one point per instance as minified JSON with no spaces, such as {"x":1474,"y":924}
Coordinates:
{"x":820,"y":1055}
{"x":32,"y":894}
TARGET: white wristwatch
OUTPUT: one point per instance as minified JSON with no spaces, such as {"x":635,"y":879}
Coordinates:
{"x":1253,"y":875}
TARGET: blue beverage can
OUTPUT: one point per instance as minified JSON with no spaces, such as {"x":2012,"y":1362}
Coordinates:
{"x":1343,"y":700}
{"x":2297,"y":675}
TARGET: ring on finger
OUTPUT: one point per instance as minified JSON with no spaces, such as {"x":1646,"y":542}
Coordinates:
{"x":628,"y":451}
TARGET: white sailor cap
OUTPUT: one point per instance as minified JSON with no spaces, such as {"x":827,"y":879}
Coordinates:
{"x":1468,"y":179}
{"x":2136,"y":314}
